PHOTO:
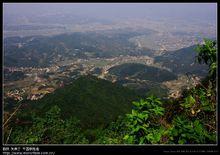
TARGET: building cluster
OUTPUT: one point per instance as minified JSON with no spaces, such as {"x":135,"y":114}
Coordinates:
{"x":38,"y":93}
{"x":15,"y":94}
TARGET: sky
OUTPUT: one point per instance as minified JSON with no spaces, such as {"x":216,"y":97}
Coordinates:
{"x":186,"y":11}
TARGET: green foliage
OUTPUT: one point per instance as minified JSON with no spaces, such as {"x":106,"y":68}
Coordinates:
{"x":143,"y":121}
{"x":207,"y":54}
{"x":195,"y":124}
{"x":146,"y":124}
{"x":200,"y":100}
{"x":192,"y":121}
{"x":73,"y":133}
{"x":187,"y":131}
{"x":114,"y":133}
{"x":50,"y":129}
{"x":93,"y":101}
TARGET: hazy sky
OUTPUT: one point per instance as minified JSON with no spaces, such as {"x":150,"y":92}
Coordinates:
{"x":201,"y":11}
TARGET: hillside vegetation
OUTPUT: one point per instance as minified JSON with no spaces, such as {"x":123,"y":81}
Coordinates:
{"x":183,"y":61}
{"x":143,"y":72}
{"x":67,"y":116}
{"x":93,"y":101}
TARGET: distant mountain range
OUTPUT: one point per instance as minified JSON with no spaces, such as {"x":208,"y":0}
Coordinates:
{"x":41,"y":51}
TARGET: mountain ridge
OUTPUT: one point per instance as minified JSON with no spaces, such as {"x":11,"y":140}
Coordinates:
{"x":93,"y":101}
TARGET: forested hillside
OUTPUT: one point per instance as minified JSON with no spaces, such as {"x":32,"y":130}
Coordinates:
{"x":93,"y":101}
{"x":183,"y":61}
{"x":143,"y":72}
{"x":96,"y":111}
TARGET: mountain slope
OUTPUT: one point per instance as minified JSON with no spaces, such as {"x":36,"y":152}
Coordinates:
{"x":182,"y":61}
{"x":142,"y":72}
{"x":93,"y":101}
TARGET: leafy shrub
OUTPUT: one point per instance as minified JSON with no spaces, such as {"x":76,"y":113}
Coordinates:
{"x":207,"y":54}
{"x":50,"y":129}
{"x":188,"y":131}
{"x":143,"y":122}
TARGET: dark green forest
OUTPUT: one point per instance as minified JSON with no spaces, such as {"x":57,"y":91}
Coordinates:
{"x":101,"y":101}
{"x":142,"y":72}
{"x":94,"y":111}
